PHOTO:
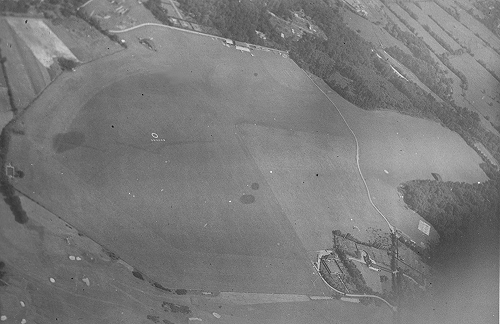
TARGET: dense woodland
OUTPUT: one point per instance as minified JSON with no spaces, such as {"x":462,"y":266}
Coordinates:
{"x":457,"y":210}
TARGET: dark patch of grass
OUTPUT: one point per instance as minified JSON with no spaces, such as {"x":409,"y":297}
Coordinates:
{"x":138,"y":275}
{"x":181,"y":291}
{"x":66,"y":64}
{"x":111,"y":255}
{"x":154,"y":319}
{"x":157,"y":285}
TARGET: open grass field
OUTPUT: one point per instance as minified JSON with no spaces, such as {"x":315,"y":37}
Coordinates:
{"x":212,"y":169}
{"x":407,"y":148}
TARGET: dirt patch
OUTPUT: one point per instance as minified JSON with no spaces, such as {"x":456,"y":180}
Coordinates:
{"x":255,"y":186}
{"x":67,"y":141}
{"x":247,"y":199}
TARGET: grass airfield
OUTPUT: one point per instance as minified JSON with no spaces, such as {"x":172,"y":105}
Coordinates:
{"x":252,"y":169}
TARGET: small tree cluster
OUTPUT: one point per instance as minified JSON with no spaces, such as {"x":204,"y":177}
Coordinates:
{"x":66,"y":64}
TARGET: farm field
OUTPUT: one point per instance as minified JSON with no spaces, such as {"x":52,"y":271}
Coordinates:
{"x":477,"y":28}
{"x":467,"y":5}
{"x":424,"y":19}
{"x":458,"y":31}
{"x":84,"y":41}
{"x":387,"y":13}
{"x":419,"y":30}
{"x":467,"y":38}
{"x":483,"y":88}
{"x":457,"y":90}
{"x":373,"y":34}
{"x":474,"y":98}
{"x":44,"y":44}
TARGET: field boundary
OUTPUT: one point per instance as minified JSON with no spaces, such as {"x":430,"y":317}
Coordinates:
{"x":196,"y":33}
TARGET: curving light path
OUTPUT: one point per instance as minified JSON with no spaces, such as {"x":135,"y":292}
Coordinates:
{"x":316,"y":267}
{"x":391,"y":227}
